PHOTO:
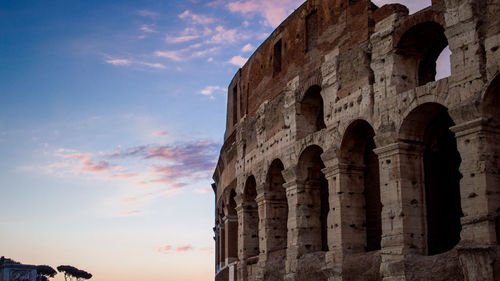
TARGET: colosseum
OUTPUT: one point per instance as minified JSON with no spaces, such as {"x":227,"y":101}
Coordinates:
{"x":345,"y":159}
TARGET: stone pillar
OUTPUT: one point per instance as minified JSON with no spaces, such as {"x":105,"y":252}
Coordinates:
{"x":216,"y":238}
{"x":479,"y":147}
{"x":242,"y":237}
{"x":231,"y":241}
{"x":222,"y":245}
{"x":403,"y":201}
{"x":269,"y":223}
{"x":304,"y":226}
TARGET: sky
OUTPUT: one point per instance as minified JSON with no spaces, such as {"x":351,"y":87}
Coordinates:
{"x":112,"y":114}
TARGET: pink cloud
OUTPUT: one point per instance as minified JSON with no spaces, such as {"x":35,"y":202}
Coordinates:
{"x":185,"y":248}
{"x":248,"y":48}
{"x":162,"y":134}
{"x":125,"y":175}
{"x":205,"y":190}
{"x":274,"y":12}
{"x":86,"y":164}
{"x":169,"y":248}
{"x":96,"y":167}
{"x":165,"y":249}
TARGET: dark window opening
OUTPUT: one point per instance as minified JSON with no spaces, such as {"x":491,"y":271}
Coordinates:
{"x":251,"y":219}
{"x":311,"y":30}
{"x":497,"y":229}
{"x":235,"y":104}
{"x":372,"y":198}
{"x":277,"y":58}
{"x":442,"y":185}
{"x":312,"y":112}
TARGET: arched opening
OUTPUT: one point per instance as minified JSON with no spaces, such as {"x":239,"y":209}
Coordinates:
{"x":429,"y":124}
{"x":277,"y":208}
{"x":363,"y":192}
{"x":250,"y":219}
{"x":491,"y":112}
{"x":316,"y":187}
{"x":419,"y":49}
{"x":311,"y":112}
{"x":232,"y":228}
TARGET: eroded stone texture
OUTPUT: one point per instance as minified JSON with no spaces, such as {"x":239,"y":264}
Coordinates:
{"x":343,"y":158}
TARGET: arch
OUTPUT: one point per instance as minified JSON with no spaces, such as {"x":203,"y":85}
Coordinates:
{"x":356,"y":151}
{"x":276,"y":208}
{"x":250,"y":220}
{"x":311,"y":116}
{"x":429,"y":126}
{"x":309,"y":172}
{"x":490,"y":108}
{"x":418,"y":49}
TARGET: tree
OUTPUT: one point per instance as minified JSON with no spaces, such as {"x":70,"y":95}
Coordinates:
{"x":4,"y":260}
{"x":44,"y":272}
{"x":71,"y":272}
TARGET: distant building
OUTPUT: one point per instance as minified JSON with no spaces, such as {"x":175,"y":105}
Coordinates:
{"x":344,"y":159}
{"x":17,"y":272}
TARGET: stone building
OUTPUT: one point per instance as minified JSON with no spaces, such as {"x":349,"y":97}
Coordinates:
{"x":344,"y":159}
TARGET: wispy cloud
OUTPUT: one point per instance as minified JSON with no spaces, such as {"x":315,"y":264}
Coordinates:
{"x":181,"y":162}
{"x":192,"y":51}
{"x":130,"y":62}
{"x":169,"y":249}
{"x":147,"y":13}
{"x":211,"y":90}
{"x":85,"y":162}
{"x":162,"y":134}
{"x":119,"y":62}
{"x":196,"y":18}
{"x":238,"y":61}
{"x":148,"y":28}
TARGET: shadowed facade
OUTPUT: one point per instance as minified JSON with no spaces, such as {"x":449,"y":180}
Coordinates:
{"x":344,"y":159}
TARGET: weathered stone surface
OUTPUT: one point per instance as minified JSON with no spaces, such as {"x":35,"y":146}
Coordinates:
{"x":343,"y":158}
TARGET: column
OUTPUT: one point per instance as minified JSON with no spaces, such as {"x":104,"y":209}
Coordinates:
{"x":479,"y":147}
{"x":403,"y":201}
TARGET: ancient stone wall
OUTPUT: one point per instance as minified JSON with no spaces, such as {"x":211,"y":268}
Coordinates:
{"x":344,"y":159}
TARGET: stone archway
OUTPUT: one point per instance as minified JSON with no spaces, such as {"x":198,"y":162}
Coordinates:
{"x":437,"y":174}
{"x":417,"y":52}
{"x":361,"y":205}
{"x":276,"y":208}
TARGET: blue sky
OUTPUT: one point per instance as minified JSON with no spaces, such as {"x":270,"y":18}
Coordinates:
{"x":112,"y":114}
